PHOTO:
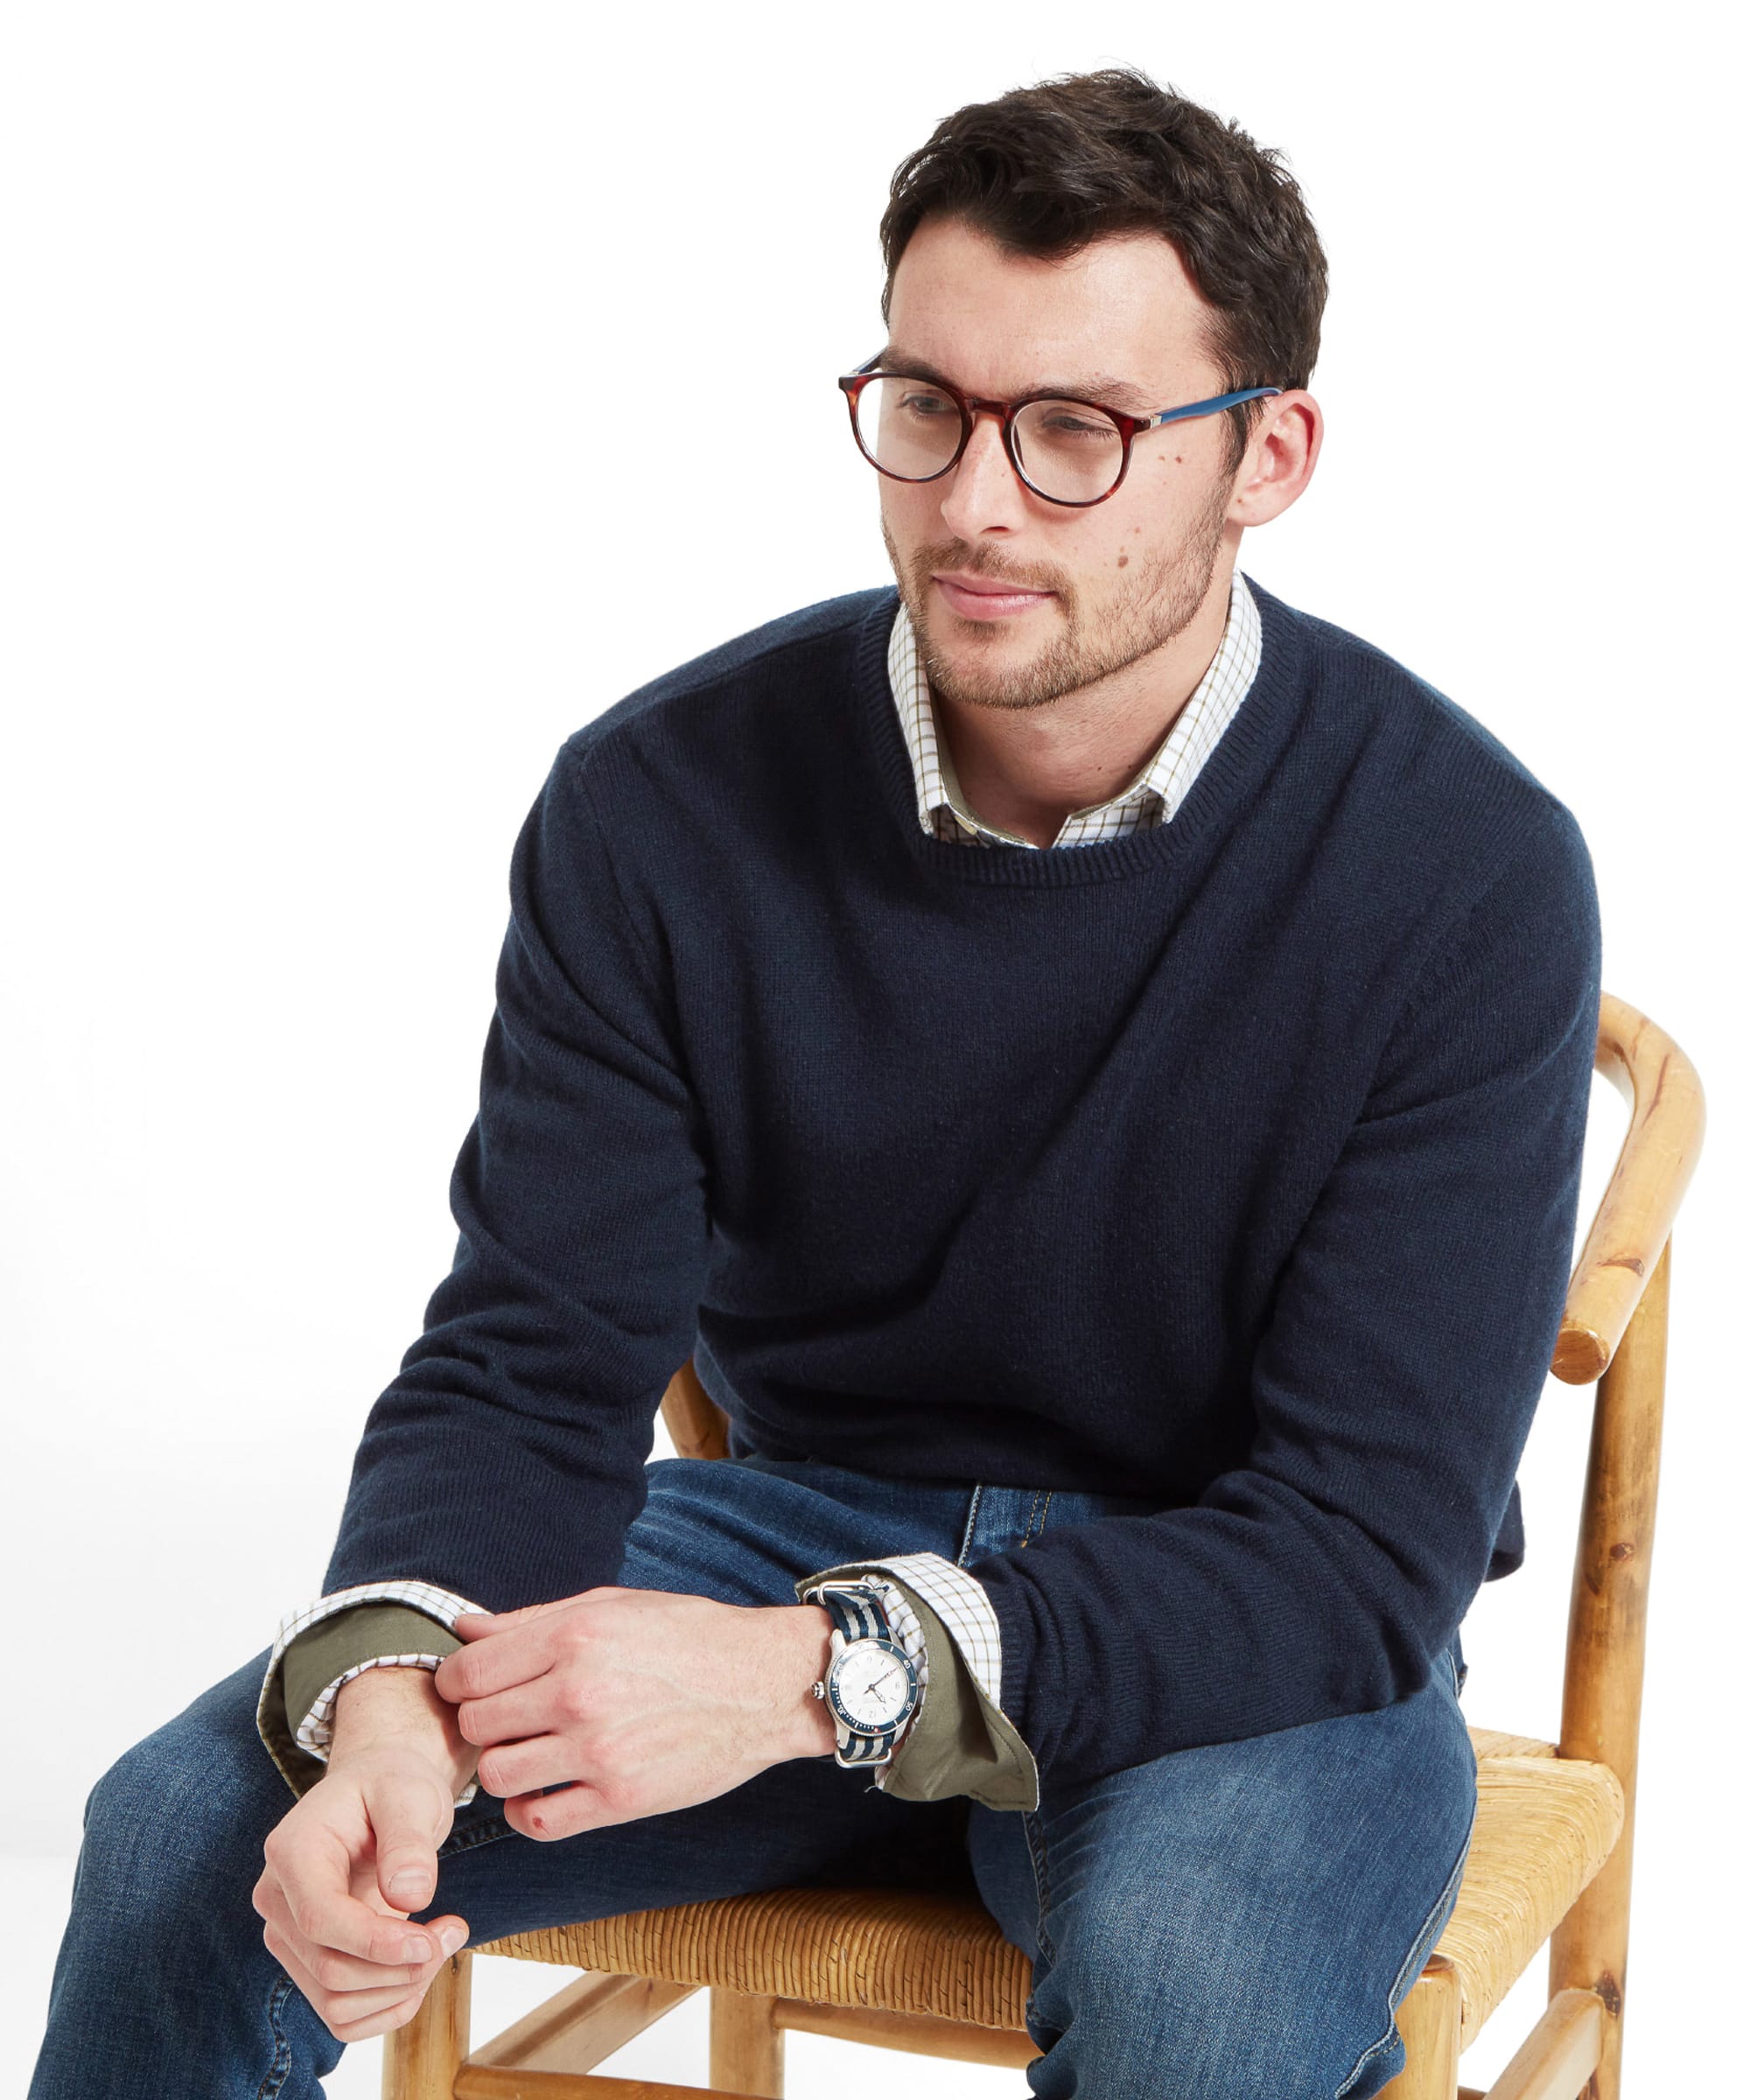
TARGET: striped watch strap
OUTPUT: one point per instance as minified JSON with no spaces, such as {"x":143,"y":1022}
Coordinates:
{"x":858,"y":1612}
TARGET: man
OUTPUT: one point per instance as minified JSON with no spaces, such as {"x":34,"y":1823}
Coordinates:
{"x":1091,"y":1062}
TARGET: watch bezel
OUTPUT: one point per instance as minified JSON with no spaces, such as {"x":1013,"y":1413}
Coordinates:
{"x":853,"y":1723}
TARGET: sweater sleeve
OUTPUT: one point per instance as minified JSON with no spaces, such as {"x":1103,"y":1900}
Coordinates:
{"x":504,"y":1462}
{"x":1409,"y":1335}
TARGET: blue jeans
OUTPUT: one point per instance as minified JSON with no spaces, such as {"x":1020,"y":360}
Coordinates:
{"x":1223,"y":1923}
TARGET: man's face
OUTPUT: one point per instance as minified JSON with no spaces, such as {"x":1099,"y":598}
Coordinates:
{"x":1087,"y":592}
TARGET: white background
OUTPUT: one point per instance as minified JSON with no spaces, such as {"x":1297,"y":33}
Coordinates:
{"x":325,"y":521}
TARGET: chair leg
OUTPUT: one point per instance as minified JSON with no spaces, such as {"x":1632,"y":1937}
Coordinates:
{"x":421,"y":2060}
{"x":746,"y":2051}
{"x":1607,"y":1648}
{"x":1428,"y":2019}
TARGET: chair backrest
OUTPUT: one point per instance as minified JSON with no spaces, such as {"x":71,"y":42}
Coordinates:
{"x":696,"y":1427}
{"x":1615,"y":1329}
{"x":1633,"y":1221}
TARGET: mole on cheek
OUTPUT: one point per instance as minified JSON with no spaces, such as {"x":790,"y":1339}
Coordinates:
{"x":1124,"y":558}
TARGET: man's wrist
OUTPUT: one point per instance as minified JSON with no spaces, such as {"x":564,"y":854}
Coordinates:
{"x":398,"y":1703}
{"x":808,"y":1724}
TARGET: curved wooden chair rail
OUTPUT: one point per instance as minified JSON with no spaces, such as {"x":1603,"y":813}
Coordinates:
{"x":1634,"y":1217}
{"x":1550,"y":1856}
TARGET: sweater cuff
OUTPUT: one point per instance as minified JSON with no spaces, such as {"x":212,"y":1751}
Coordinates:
{"x":960,"y":1741}
{"x":323,"y":1646}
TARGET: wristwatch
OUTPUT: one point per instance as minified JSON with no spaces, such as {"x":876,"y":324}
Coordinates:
{"x":870,"y":1687}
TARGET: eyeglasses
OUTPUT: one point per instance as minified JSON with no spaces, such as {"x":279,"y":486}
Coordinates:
{"x":1073,"y":453}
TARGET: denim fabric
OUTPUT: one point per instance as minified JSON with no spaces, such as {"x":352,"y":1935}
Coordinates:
{"x":1221,"y":1922}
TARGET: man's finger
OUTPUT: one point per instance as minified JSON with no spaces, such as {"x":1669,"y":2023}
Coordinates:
{"x":381,"y":2023}
{"x":511,"y":1716}
{"x":522,"y":1768}
{"x":495,"y":1660}
{"x":338,"y":1971}
{"x":336,"y":2003}
{"x":335,"y":1972}
{"x":469,"y":1625}
{"x":546,"y":1816}
{"x":314,"y":1873}
{"x":473,"y":1626}
{"x":321,"y":1975}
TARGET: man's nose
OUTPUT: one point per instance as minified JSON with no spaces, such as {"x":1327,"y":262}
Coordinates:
{"x":983,"y":494}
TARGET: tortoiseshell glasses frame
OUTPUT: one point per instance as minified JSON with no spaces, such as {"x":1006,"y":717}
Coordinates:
{"x":970,"y":406}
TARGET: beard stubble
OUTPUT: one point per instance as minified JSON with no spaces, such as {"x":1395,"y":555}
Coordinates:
{"x":1155,"y":604}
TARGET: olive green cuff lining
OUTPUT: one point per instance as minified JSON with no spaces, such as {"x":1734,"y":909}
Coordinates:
{"x":325,"y":1651}
{"x":960,"y":1742}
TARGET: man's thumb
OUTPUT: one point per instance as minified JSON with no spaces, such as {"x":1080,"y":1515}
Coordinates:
{"x":405,"y":1860}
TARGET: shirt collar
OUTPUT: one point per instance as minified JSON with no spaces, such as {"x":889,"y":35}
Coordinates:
{"x":1154,"y":797}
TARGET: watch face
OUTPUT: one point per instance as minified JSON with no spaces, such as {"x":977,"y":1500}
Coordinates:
{"x":872,"y":1685}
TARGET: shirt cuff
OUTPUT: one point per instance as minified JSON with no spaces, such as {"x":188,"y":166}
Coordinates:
{"x":323,"y":1645}
{"x":959,"y":1740}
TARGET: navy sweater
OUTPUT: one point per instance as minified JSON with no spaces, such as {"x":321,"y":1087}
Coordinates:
{"x":1233,"y":1162}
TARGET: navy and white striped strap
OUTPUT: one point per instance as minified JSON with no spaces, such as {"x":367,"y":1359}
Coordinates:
{"x":858,"y":1612}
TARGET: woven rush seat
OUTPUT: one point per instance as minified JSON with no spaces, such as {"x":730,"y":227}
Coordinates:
{"x":886,"y":1949}
{"x":1544,"y":1826}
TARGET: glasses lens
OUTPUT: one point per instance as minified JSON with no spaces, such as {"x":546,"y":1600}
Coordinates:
{"x":909,"y":427}
{"x":1069,"y":451}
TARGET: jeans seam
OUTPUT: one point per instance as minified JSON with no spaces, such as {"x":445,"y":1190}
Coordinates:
{"x":482,"y":1833}
{"x":1432,"y":1924}
{"x":273,"y":2083}
{"x":1035,"y":1526}
{"x":1038,"y":1864}
{"x":969,"y":1528}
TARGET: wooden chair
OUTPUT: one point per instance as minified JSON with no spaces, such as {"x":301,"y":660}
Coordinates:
{"x":932,"y":1974}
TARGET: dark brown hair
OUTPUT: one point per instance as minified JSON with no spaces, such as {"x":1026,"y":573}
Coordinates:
{"x":1046,"y":169}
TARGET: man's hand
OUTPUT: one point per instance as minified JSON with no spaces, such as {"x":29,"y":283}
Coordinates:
{"x":636,"y":1701}
{"x":358,"y":1852}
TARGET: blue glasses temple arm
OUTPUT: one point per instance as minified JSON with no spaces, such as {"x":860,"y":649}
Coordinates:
{"x":1205,"y":408}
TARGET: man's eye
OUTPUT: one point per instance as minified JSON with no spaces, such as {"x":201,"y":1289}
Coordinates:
{"x":1062,"y":423}
{"x":928,"y":404}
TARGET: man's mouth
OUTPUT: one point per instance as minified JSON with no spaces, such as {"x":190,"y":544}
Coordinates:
{"x":986,"y":598}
